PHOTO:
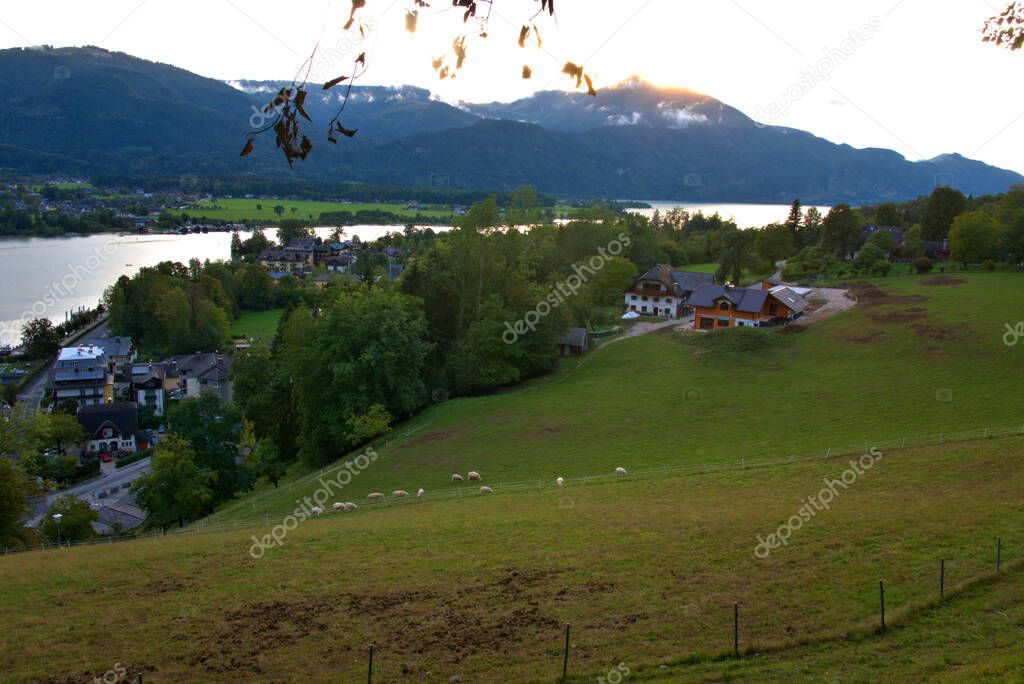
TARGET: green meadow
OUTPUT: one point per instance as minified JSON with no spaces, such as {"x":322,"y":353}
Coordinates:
{"x":244,"y":209}
{"x":257,"y":325}
{"x":645,"y":568}
{"x":917,"y":357}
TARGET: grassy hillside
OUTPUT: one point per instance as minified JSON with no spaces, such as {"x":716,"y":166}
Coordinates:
{"x":920,"y":356}
{"x":258,"y":325}
{"x":645,"y":571}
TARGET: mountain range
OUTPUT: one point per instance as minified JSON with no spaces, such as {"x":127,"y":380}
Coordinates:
{"x":88,"y":110}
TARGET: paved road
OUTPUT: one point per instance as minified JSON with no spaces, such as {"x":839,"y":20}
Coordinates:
{"x":89,"y":491}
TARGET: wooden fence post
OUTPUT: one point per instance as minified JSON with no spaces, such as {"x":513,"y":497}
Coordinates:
{"x":565,"y":654}
{"x":881,"y":595}
{"x":942,"y":578}
{"x":736,"y":629}
{"x":999,"y":550}
{"x":369,"y":670}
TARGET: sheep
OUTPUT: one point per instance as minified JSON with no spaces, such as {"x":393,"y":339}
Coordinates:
{"x":375,"y":496}
{"x":457,"y":478}
{"x":339,"y":507}
{"x":620,"y":471}
{"x":559,"y":481}
{"x":399,"y":493}
{"x":473,"y":476}
{"x":349,"y":506}
{"x":316,"y":511}
{"x":486,"y":490}
{"x":420,"y":494}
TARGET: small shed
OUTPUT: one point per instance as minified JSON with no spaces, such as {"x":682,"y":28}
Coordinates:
{"x":575,"y":342}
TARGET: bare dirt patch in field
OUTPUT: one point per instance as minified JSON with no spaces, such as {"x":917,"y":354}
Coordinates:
{"x":431,"y":437}
{"x":947,"y":333}
{"x":943,"y":281}
{"x":872,"y":295}
{"x":888,"y":316}
{"x":865,"y":337}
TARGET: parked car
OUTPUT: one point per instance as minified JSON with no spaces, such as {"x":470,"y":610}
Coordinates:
{"x":106,"y":458}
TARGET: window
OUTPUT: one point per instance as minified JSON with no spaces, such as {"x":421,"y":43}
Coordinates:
{"x":643,"y":309}
{"x":773,"y":309}
{"x":657,"y":300}
{"x":644,"y":298}
{"x":723,"y":305}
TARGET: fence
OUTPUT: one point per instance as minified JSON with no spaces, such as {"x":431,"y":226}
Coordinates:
{"x":459,"y":491}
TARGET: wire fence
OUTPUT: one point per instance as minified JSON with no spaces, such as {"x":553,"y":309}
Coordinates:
{"x":473,"y":489}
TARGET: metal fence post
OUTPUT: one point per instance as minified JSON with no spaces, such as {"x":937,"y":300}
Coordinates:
{"x":999,"y":550}
{"x":369,"y":670}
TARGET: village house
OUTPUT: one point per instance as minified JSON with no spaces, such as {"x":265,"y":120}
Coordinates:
{"x":202,"y":371}
{"x":111,"y":429}
{"x":664,"y":292}
{"x":933,"y":249}
{"x":83,"y":373}
{"x":723,"y":306}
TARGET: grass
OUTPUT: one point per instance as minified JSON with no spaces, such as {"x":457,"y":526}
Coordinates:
{"x":257,"y":325}
{"x":241,"y":209}
{"x":921,"y":361}
{"x":645,"y":569}
{"x":480,"y":587}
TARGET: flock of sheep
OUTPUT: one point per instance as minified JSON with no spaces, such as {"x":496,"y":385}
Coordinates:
{"x":472,"y":476}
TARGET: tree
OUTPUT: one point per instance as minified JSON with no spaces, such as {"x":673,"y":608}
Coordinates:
{"x":75,"y":522}
{"x":841,"y":231}
{"x":211,"y":431}
{"x":1010,"y":212}
{"x":944,"y":205}
{"x":889,"y":214}
{"x":774,"y":243}
{"x":176,"y":489}
{"x":265,"y":461}
{"x":868,"y":258}
{"x":972,"y":237}
{"x":14,"y":490}
{"x":40,"y":339}
{"x":734,"y":255}
{"x":912,"y":246}
{"x":884,"y":240}
{"x":292,"y":229}
{"x":523,"y":207}
{"x":279,"y":210}
{"x":810,"y":233}
{"x":236,"y":244}
{"x":254,"y":287}
{"x":1006,"y":29}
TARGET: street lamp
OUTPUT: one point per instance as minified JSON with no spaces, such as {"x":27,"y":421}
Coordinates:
{"x":57,"y":517}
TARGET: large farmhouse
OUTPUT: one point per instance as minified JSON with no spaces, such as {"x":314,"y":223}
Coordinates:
{"x":722,"y":306}
{"x":663,"y":291}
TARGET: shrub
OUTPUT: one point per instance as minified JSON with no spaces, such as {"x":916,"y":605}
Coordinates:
{"x":923,"y":265}
{"x":989,"y":265}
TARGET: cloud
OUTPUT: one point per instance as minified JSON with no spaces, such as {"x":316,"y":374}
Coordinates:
{"x":623,"y":120}
{"x":680,"y":118}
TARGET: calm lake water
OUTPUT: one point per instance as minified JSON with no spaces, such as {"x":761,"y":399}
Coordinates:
{"x":52,"y":276}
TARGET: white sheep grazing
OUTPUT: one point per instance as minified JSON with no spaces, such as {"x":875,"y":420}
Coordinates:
{"x":620,"y":471}
{"x":339,"y":507}
{"x":420,"y":494}
{"x":457,"y":478}
{"x":349,"y":506}
{"x":316,"y":511}
{"x":486,"y":490}
{"x":375,"y":496}
{"x":473,"y":476}
{"x":399,"y":493}
{"x":559,"y":481}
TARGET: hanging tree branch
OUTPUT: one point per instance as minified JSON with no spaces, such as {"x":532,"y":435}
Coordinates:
{"x":287,"y":106}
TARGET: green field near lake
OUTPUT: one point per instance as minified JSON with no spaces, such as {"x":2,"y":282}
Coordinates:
{"x":257,"y":325}
{"x":244,"y":209}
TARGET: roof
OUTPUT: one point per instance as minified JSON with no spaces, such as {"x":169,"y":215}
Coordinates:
{"x":81,"y":353}
{"x":576,"y":337}
{"x":111,"y":346}
{"x":301,"y":244}
{"x":123,"y":415}
{"x":679,"y":282}
{"x":896,"y":232}
{"x":745,"y":299}
{"x":394,"y":270}
{"x":205,"y":366}
{"x":788,"y":297}
{"x":91,"y":372}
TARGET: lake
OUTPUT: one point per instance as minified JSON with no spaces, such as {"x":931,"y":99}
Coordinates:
{"x":53,"y":276}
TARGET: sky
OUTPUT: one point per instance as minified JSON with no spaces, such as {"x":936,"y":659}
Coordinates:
{"x":908,"y":75}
